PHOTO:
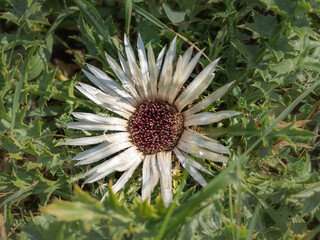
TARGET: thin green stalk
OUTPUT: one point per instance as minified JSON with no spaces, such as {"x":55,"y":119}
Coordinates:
{"x":253,"y":221}
{"x":231,"y":211}
{"x":239,"y":199}
{"x":128,"y":12}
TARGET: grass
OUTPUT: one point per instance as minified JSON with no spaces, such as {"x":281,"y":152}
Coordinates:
{"x":270,"y":189}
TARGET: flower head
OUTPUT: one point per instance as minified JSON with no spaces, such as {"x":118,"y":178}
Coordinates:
{"x":153,"y":121}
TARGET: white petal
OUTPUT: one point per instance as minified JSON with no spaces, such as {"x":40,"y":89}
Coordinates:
{"x":129,"y":51}
{"x":97,"y":176}
{"x":112,"y":101}
{"x":191,"y":65}
{"x":188,"y":166}
{"x":101,"y":151}
{"x":146,"y":176}
{"x":141,"y":83}
{"x":203,"y":141}
{"x":153,"y":80}
{"x":100,"y":98}
{"x":129,"y":155}
{"x":200,"y":152}
{"x":150,"y":176}
{"x":160,"y":59}
{"x":165,"y":82}
{"x":110,"y":83}
{"x":108,"y":151}
{"x":90,"y":117}
{"x":187,"y":55}
{"x":123,"y":77}
{"x":106,"y":165}
{"x":175,"y":86}
{"x":121,"y":162}
{"x":194,"y":163}
{"x":184,"y":74}
{"x":126,"y":176}
{"x":197,"y":86}
{"x":98,"y":83}
{"x":205,"y":118}
{"x":124,"y":66}
{"x":165,"y":167}
{"x":83,"y":125}
{"x":166,"y":72}
{"x":143,"y":58}
{"x":193,"y":91}
{"x":91,"y":151}
{"x":209,"y":100}
{"x":84,"y":141}
{"x":136,"y":78}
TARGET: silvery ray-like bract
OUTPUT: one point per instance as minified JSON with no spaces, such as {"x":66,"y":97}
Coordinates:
{"x":154,"y":119}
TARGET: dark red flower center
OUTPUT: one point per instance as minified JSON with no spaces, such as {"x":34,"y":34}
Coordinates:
{"x":155,"y":126}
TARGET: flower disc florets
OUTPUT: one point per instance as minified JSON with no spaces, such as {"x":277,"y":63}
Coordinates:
{"x":155,"y":126}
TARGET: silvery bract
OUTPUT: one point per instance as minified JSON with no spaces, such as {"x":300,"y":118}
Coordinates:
{"x":153,"y":121}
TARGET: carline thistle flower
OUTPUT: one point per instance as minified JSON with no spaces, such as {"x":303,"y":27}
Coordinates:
{"x":154,"y":119}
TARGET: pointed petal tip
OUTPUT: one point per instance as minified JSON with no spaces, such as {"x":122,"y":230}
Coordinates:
{"x":107,"y":55}
{"x":60,"y":144}
{"x":79,"y":88}
{"x":231,"y":83}
{"x":235,"y":113}
{"x":217,"y":60}
{"x":88,"y":65}
{"x":68,"y":124}
{"x":76,"y":159}
{"x":81,"y":84}
{"x":87,"y":181}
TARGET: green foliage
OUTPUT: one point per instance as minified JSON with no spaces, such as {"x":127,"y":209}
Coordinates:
{"x":269,"y":190}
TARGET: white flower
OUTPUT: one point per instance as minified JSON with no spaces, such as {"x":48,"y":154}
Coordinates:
{"x":154,"y":120}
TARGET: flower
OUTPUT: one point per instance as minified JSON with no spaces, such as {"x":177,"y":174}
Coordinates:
{"x":154,"y":119}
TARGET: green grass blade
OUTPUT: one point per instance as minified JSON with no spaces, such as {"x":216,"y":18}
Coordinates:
{"x":93,"y":17}
{"x":253,"y":221}
{"x":17,"y":93}
{"x":128,"y":10}
{"x":239,"y":198}
{"x":64,"y":13}
{"x":151,"y":18}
